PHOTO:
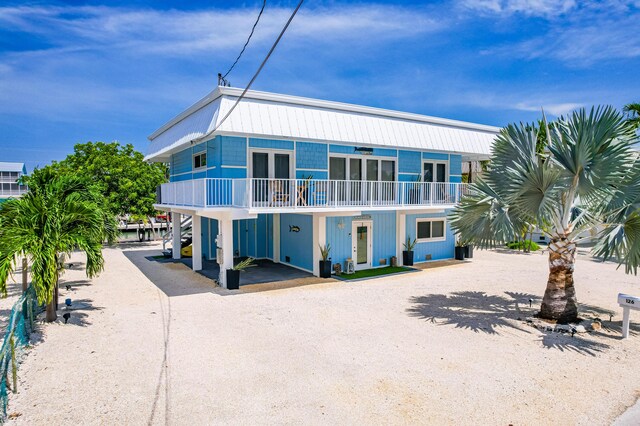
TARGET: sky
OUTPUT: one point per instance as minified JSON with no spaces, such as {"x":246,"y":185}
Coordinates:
{"x":73,"y":71}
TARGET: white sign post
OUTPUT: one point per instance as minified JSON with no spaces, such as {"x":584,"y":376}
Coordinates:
{"x":627,"y":303}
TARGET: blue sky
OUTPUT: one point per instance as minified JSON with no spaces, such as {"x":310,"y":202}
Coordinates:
{"x":76,"y":71}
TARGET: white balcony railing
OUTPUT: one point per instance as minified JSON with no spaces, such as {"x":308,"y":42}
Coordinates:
{"x":13,"y":192}
{"x":307,"y":193}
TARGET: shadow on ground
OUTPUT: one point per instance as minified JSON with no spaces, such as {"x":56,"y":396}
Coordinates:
{"x":78,"y":312}
{"x":482,"y":313}
{"x":172,"y":278}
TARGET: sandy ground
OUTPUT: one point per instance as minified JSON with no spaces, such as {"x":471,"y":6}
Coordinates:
{"x":440,"y":346}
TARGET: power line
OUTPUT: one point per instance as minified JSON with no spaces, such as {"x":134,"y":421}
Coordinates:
{"x":244,"y":92}
{"x":264,"y":3}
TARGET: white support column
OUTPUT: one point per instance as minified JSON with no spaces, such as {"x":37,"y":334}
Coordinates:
{"x":176,"y":229}
{"x":196,"y":253}
{"x":225,"y":228}
{"x":276,"y":237}
{"x":319,"y":239}
{"x":401,"y":234}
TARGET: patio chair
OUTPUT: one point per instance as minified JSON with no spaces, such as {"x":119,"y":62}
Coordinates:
{"x":279,"y":193}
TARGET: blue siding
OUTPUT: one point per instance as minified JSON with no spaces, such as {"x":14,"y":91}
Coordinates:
{"x":437,"y":250}
{"x":311,"y":156}
{"x":206,"y":246}
{"x":233,"y":151}
{"x":340,"y":239}
{"x":298,"y":246}
{"x":384,"y":237}
{"x":345,"y":149}
{"x":182,"y":162}
{"x":233,"y":172}
{"x":435,"y":156}
{"x":409,"y":162}
{"x":455,"y":164}
{"x":270,"y":144}
{"x":252,"y":237}
{"x":455,"y":179}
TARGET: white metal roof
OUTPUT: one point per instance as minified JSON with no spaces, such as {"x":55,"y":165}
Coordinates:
{"x":11,"y":167}
{"x":270,"y":115}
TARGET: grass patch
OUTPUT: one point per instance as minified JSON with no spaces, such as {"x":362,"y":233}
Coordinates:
{"x":376,"y":272}
{"x":523,"y":245}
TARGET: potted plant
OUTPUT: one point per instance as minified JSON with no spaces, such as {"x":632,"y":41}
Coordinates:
{"x":407,"y":254}
{"x":233,"y":274}
{"x":325,"y":263}
{"x":459,"y":250}
{"x":468,"y":250}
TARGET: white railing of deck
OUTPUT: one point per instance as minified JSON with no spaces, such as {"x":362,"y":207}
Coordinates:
{"x":308,"y":193}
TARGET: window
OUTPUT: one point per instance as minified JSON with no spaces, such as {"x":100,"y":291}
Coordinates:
{"x":430,"y":230}
{"x":200,"y":160}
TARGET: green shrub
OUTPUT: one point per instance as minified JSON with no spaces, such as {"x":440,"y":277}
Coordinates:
{"x":523,"y":245}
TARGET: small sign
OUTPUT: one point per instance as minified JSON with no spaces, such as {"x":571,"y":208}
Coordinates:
{"x":632,"y":302}
{"x":362,"y":217}
{"x":364,"y":151}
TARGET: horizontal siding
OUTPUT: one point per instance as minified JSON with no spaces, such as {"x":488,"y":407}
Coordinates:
{"x":233,"y":151}
{"x":298,"y":246}
{"x":435,"y":156}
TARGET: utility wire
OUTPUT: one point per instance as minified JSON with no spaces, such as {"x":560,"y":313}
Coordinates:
{"x":264,"y":3}
{"x":254,"y":76}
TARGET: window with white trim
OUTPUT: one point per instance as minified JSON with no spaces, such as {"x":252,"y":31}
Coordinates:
{"x":428,"y":230}
{"x":199,"y":160}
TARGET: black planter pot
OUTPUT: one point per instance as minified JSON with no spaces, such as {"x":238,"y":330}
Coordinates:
{"x":233,"y":279}
{"x":468,"y":252}
{"x":325,"y":269}
{"x":459,"y":253}
{"x":407,"y":258}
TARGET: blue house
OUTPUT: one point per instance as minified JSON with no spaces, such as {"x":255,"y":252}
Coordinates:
{"x":9,"y":175}
{"x":282,"y":175}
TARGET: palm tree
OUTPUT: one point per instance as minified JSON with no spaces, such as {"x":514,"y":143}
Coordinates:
{"x":57,"y":215}
{"x":585,"y":176}
{"x":633,"y":114}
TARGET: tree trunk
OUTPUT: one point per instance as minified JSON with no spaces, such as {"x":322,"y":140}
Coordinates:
{"x":52,"y":315}
{"x":25,"y":268}
{"x":52,"y":307}
{"x":559,"y":302}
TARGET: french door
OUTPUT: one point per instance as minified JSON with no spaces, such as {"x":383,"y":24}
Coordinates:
{"x":271,"y":172}
{"x":434,"y":172}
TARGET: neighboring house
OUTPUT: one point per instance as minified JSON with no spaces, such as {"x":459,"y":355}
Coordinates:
{"x":284,"y":174}
{"x":9,"y":174}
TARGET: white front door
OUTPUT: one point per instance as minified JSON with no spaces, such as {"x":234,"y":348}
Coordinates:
{"x":362,"y":244}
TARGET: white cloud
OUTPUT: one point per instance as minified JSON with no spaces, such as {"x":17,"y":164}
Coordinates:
{"x":549,"y":108}
{"x":544,"y":8}
{"x":192,"y":32}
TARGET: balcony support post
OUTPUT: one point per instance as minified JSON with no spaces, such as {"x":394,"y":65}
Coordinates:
{"x":401,"y":230}
{"x":196,"y":247}
{"x":176,"y":229}
{"x":319,"y":238}
{"x":225,"y":228}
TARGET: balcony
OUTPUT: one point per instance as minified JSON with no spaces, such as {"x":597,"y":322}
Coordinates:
{"x":13,"y":191}
{"x":277,"y":195}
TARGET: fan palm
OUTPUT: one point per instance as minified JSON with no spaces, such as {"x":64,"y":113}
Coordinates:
{"x":57,"y":215}
{"x":633,"y":114}
{"x":586,"y":176}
